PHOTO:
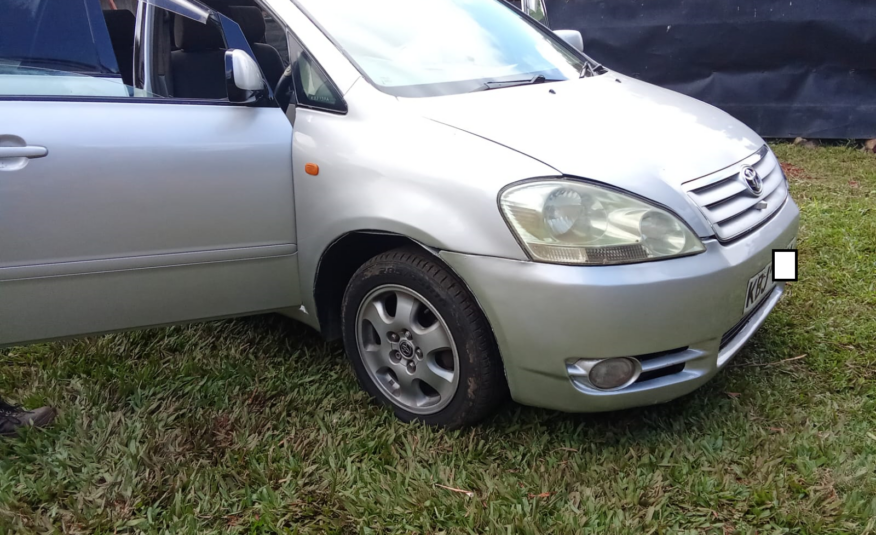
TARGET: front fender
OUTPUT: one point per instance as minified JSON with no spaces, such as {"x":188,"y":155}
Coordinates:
{"x":402,"y":175}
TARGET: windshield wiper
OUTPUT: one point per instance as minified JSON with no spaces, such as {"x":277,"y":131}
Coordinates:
{"x":499,"y":84}
{"x":591,"y":68}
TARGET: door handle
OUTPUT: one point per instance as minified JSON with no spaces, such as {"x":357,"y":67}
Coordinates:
{"x":31,"y":151}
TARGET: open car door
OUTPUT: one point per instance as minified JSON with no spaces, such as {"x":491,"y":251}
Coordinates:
{"x":131,"y":205}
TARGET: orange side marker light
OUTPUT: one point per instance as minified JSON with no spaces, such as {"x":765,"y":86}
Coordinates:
{"x":311,"y":169}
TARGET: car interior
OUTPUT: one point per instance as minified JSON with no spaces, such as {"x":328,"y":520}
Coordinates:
{"x":198,"y":59}
{"x":191,"y":58}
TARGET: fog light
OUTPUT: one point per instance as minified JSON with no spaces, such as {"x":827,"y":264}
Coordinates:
{"x":613,"y":373}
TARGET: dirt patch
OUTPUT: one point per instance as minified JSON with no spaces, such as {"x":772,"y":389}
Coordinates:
{"x":792,"y":171}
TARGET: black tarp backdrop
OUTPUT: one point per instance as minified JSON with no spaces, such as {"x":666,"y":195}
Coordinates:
{"x":787,"y":68}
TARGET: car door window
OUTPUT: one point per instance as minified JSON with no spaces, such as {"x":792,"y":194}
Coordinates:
{"x":186,"y":44}
{"x":51,"y":48}
{"x":275,"y":35}
{"x":119,"y":5}
{"x":266,"y":37}
{"x":197,"y":61}
{"x":86,"y":48}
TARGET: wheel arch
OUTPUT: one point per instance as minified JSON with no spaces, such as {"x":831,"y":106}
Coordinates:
{"x":339,"y":262}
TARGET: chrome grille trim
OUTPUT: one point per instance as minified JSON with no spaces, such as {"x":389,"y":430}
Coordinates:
{"x":672,"y":359}
{"x":739,"y":327}
{"x":727,"y":173}
{"x":729,"y":206}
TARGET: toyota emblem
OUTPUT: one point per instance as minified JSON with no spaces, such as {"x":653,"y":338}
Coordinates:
{"x":752,"y":179}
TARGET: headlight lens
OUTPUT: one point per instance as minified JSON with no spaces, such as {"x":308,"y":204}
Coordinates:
{"x":662,"y":234}
{"x":566,"y":222}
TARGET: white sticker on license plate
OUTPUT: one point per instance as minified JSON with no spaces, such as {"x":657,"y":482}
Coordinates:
{"x":758,"y":287}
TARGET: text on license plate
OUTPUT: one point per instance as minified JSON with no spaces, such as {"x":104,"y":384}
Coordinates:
{"x":759,"y":285}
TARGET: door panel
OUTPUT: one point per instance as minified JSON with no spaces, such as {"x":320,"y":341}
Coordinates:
{"x":134,"y":179}
{"x":98,"y":302}
{"x":143,"y":213}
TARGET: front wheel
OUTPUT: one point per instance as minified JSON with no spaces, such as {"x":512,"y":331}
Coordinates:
{"x":418,"y":341}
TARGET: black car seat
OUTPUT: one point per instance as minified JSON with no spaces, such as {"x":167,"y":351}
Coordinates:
{"x":121,"y":24}
{"x":198,"y":66}
{"x":252,"y":23}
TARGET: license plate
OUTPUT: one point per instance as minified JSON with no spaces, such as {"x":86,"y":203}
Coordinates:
{"x":758,"y":287}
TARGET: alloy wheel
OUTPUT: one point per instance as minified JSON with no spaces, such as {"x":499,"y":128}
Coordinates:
{"x":407,"y":349}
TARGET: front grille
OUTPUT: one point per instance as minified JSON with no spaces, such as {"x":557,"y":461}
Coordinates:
{"x":728,"y":204}
{"x":734,"y":332}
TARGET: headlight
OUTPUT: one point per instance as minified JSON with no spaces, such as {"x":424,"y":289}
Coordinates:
{"x":566,"y":222}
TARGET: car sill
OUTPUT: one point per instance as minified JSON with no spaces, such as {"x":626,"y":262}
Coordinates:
{"x":87,"y":267}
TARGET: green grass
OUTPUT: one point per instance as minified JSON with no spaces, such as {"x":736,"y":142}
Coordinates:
{"x":256,"y":425}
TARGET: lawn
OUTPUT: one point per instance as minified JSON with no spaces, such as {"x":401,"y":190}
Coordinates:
{"x":257,"y":425}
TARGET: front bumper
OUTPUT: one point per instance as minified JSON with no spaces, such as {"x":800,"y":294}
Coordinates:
{"x":684,"y":314}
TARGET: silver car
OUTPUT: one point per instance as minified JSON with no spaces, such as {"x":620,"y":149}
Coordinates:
{"x":473,"y":204}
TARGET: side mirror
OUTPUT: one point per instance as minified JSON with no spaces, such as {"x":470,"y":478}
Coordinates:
{"x":243,"y":78}
{"x":572,"y":37}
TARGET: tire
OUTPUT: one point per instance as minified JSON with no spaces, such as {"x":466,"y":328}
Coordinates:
{"x":409,"y":368}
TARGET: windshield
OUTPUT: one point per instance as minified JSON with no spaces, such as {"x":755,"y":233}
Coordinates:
{"x":418,"y":48}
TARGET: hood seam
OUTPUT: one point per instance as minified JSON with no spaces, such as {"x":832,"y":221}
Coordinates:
{"x":500,"y":144}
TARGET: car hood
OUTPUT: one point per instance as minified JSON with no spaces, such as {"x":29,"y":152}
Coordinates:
{"x":609,"y":128}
